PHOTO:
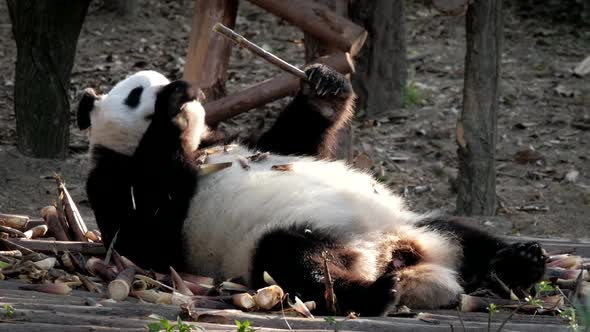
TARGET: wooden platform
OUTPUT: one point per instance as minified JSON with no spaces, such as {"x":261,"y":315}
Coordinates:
{"x":84,"y":311}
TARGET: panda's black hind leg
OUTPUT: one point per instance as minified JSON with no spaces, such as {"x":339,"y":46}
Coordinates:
{"x":519,"y":265}
{"x":487,"y":258}
{"x":293,"y":257}
{"x":309,"y":123}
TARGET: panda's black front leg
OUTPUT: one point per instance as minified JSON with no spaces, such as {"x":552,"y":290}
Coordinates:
{"x":309,"y":124}
{"x":164,"y":179}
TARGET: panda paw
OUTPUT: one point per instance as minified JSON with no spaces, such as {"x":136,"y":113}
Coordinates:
{"x":172,"y":98}
{"x":381,"y":296}
{"x":520,"y":265}
{"x":324,"y":82}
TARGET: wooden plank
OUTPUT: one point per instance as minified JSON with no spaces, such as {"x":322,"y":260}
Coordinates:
{"x":580,"y":247}
{"x":87,"y":248}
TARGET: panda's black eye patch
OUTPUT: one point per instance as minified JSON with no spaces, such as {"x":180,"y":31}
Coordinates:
{"x":134,"y":96}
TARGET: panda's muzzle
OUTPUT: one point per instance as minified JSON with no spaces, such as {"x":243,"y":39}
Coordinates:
{"x":172,"y":96}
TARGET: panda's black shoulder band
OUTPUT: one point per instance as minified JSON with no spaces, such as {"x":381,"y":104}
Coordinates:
{"x":85,"y":106}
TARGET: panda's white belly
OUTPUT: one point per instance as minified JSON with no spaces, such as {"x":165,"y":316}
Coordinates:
{"x":234,"y":206}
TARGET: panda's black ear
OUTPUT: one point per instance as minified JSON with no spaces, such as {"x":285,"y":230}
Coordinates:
{"x":86,"y":106}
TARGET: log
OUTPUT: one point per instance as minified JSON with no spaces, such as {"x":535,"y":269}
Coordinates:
{"x":73,"y":216}
{"x":85,"y":248}
{"x":55,"y":228}
{"x":319,"y":21}
{"x":14,"y":221}
{"x":267,"y":91}
{"x":119,"y":288}
{"x":35,"y":232}
{"x":207,"y":57}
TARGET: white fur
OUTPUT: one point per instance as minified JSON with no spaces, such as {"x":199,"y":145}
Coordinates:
{"x":117,"y":126}
{"x":235,"y":206}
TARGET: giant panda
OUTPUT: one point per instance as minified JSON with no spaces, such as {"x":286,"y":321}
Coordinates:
{"x":281,"y":206}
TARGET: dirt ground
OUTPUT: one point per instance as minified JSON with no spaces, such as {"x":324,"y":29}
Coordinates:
{"x":544,"y":108}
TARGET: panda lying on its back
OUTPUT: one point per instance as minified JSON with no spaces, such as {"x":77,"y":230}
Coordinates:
{"x":253,"y":217}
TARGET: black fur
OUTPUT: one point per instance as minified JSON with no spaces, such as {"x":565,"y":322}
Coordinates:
{"x":85,"y":106}
{"x":302,"y":129}
{"x":518,"y":265}
{"x":293,"y":257}
{"x":134,"y":97}
{"x":145,"y":197}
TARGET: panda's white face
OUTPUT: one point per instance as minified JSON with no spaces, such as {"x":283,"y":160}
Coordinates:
{"x":121,"y":117}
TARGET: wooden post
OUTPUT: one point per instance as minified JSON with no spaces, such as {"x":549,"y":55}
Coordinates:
{"x":476,"y":127}
{"x":380,"y":79}
{"x":316,"y":18}
{"x":46,"y":33}
{"x":208,"y":53}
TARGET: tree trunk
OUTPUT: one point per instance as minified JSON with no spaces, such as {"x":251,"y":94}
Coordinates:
{"x":121,"y":7}
{"x":476,"y":127}
{"x":381,"y":68}
{"x":46,"y":33}
{"x":315,"y":48}
{"x":208,"y":53}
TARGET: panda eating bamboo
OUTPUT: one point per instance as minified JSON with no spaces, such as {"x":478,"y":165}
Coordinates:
{"x":279,"y":206}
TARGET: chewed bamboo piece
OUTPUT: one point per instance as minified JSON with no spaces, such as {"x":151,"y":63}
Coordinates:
{"x":269,"y":57}
{"x":71,"y":211}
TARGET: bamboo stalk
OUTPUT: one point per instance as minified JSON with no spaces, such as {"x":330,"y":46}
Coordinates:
{"x":13,"y":221}
{"x":128,"y":263}
{"x":329,"y":294}
{"x":13,"y":231}
{"x":119,"y":288}
{"x":37,"y":231}
{"x":73,"y":216}
{"x":51,"y":217}
{"x":179,"y":284}
{"x":98,"y":267}
{"x":269,"y":57}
